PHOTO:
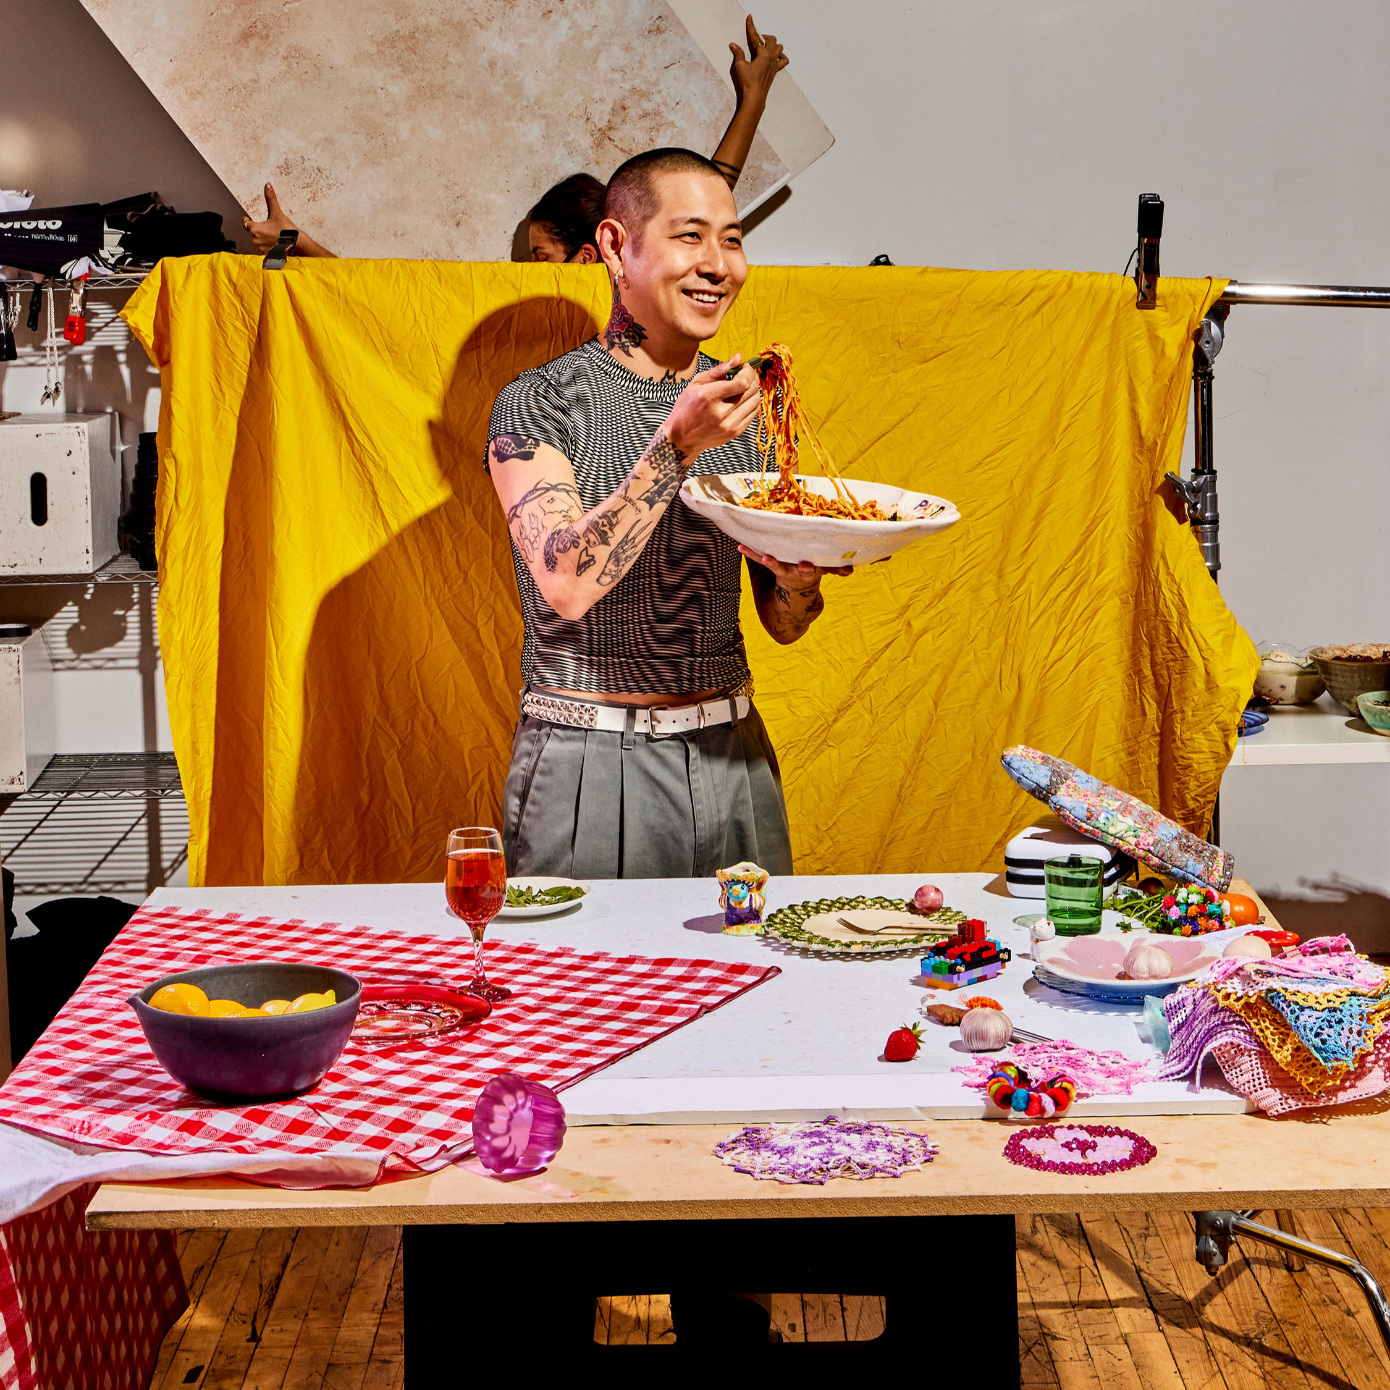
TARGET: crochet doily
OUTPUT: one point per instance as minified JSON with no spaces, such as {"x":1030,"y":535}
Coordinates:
{"x":816,"y":1151}
{"x":1085,"y":1150}
{"x":1093,"y":1073}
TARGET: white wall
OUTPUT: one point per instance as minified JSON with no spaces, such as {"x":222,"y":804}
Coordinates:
{"x":1020,"y":133}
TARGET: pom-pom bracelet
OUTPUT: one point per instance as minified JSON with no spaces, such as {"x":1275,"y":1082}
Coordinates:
{"x":1011,"y":1090}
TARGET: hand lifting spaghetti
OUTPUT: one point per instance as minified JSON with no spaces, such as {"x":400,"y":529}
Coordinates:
{"x":782,"y":429}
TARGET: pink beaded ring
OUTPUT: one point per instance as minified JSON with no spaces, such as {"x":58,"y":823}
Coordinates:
{"x":1011,"y":1090}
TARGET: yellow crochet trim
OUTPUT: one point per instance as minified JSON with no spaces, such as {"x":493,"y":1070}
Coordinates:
{"x":1284,"y":1045}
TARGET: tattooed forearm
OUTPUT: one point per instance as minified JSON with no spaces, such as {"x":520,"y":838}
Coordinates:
{"x":623,"y":331}
{"x":624,"y":553}
{"x":787,"y":608}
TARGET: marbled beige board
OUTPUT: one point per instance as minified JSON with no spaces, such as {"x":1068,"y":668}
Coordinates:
{"x":420,"y":128}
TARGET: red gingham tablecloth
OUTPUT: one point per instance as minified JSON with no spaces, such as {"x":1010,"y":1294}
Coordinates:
{"x":79,"y":1309}
{"x":92,"y":1077}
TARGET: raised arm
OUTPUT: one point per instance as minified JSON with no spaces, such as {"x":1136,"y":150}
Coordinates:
{"x":753,"y":77}
{"x":575,"y":556}
{"x":265,"y":234}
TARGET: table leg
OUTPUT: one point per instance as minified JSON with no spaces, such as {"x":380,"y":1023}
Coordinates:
{"x":482,"y":1299}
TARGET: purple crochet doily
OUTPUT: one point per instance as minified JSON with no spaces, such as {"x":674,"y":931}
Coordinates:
{"x":1084,"y":1150}
{"x":816,"y":1151}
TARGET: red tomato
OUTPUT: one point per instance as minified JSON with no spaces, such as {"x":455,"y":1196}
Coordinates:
{"x":1244,"y":911}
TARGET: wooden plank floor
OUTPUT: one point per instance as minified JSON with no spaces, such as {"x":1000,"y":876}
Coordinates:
{"x":1111,"y":1302}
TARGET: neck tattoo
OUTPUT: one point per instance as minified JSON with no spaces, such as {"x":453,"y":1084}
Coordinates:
{"x":623,"y":331}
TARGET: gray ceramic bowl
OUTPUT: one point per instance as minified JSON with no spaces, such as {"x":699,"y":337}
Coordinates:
{"x":251,"y":1058}
{"x":1352,"y":669}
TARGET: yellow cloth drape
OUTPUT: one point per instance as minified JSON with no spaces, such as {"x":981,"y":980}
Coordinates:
{"x":339,"y":621}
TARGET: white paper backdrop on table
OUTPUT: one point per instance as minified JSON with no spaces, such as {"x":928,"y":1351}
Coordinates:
{"x":408,"y":128}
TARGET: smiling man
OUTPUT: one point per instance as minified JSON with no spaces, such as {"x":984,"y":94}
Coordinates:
{"x":638,"y":753}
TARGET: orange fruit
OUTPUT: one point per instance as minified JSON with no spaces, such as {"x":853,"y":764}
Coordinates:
{"x":1244,"y":911}
{"x":276,"y":1006}
{"x":228,"y":1008}
{"x":307,"y":1003}
{"x":181,"y":999}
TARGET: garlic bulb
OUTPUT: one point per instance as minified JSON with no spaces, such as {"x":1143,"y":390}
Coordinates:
{"x":1255,"y":947}
{"x":986,"y":1030}
{"x":1147,"y":961}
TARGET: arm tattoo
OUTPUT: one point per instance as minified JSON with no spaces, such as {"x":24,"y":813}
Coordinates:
{"x":514,"y":446}
{"x":623,"y":331}
{"x":786,"y":612}
{"x":545,"y":509}
{"x":665,"y":461}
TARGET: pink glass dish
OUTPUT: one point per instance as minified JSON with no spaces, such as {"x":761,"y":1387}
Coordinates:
{"x":518,"y":1125}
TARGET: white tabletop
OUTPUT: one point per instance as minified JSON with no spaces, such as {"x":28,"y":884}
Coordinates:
{"x":803,"y":1045}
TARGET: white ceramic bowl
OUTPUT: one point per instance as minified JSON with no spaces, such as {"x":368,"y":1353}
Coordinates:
{"x":820,"y":540}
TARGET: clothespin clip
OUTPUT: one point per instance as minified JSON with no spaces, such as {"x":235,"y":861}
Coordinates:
{"x":279,"y":253}
{"x":8,"y":353}
{"x":35,"y":305}
{"x":75,"y":325}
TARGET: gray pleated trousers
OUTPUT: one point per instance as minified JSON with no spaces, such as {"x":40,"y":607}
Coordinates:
{"x":578,"y":804}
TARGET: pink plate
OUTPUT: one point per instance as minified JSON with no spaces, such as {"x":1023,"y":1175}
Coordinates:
{"x":1102,"y":958}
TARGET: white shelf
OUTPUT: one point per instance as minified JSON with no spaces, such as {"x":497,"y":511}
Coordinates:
{"x":1305,"y":734}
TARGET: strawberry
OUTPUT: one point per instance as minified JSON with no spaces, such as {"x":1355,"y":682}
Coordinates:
{"x":903,"y":1043}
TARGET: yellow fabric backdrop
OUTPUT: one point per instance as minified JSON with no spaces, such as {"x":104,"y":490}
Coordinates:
{"x":339,"y":621}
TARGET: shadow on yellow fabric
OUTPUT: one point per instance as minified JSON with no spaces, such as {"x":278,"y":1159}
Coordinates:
{"x":431,"y":619}
{"x":338,"y":616}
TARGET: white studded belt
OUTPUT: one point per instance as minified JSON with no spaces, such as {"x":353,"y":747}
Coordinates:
{"x":660,"y":721}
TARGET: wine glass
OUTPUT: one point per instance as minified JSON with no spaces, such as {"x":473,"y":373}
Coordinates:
{"x":475,"y":884}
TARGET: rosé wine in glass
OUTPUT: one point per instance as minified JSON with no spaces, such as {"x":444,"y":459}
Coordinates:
{"x":475,"y":886}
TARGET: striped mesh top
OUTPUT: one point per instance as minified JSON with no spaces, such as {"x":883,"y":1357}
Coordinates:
{"x":670,"y":625}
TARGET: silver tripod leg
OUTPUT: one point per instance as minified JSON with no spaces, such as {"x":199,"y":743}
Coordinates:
{"x":1216,"y":1229}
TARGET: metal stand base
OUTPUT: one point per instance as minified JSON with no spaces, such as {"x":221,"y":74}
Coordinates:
{"x":517,"y":1301}
{"x":1216,"y":1230}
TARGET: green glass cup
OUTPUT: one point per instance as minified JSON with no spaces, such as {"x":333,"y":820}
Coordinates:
{"x":1074,"y":892}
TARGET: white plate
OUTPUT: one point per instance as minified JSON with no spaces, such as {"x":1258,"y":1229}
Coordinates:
{"x":1094,"y":962}
{"x":821,"y":540}
{"x":544,"y":909}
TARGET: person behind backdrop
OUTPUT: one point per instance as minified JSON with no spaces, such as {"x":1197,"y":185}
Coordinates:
{"x":560,"y":227}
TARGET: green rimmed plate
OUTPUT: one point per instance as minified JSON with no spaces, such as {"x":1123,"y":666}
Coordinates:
{"x":788,"y":925}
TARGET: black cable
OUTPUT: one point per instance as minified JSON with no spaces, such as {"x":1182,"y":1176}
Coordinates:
{"x":1132,"y":255}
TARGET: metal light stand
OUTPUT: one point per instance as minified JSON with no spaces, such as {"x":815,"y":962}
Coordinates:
{"x":1216,"y":1229}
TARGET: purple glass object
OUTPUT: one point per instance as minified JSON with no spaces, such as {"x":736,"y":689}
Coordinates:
{"x":518,"y":1125}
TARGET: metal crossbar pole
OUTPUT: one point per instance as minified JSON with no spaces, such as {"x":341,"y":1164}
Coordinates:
{"x":1343,"y":296}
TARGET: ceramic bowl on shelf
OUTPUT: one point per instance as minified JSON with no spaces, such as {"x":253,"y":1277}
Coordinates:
{"x":243,"y":1059}
{"x":1287,"y":676}
{"x":1352,"y":669}
{"x":820,"y":540}
{"x":1375,"y":709}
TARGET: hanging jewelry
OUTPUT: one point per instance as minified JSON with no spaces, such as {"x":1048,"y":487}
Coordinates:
{"x":52,"y":371}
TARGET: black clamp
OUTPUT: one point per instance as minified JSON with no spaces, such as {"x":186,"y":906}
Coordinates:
{"x":282,"y":250}
{"x":1146,"y":267}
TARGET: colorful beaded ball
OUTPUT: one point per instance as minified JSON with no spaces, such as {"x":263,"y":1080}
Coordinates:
{"x":1010,"y":1089}
{"x":1193,"y":910}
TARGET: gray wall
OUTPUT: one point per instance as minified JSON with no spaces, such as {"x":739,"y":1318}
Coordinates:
{"x":1018,"y":133}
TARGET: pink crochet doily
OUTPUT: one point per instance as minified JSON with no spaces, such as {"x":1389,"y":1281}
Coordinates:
{"x":1084,"y":1150}
{"x":1094,"y":1073}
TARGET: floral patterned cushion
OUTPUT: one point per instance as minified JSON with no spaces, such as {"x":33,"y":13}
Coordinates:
{"x":1117,"y":819}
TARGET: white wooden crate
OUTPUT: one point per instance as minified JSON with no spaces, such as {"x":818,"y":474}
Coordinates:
{"x":60,"y":494}
{"x":26,"y":712}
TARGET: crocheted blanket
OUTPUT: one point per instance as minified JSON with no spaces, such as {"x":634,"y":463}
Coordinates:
{"x":1304,"y":1029}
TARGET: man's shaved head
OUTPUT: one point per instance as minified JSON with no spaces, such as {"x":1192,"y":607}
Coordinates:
{"x":632,"y":198}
